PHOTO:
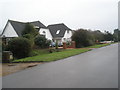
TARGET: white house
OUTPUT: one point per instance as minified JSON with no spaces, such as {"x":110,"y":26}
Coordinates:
{"x":59,"y":32}
{"x":46,"y":33}
{"x":15,"y":28}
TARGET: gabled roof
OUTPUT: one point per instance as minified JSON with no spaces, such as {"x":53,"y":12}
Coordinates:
{"x":19,"y":26}
{"x":55,"y":27}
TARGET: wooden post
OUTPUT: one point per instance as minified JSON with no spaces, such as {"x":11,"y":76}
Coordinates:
{"x":64,"y":46}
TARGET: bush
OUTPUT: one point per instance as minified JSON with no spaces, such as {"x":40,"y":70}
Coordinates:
{"x":20,"y":47}
{"x":28,"y":36}
{"x":42,"y":42}
{"x":83,"y":38}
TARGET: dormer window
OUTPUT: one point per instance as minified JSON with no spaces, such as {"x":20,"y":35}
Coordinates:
{"x":67,"y":31}
{"x":58,"y":31}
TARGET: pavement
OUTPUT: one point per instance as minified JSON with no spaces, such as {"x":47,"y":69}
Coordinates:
{"x":94,"y":69}
{"x":9,"y":68}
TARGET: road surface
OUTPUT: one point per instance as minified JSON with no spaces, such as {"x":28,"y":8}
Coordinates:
{"x":94,"y":69}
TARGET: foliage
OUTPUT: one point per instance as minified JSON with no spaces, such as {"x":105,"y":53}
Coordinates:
{"x":29,"y":29}
{"x":83,"y":38}
{"x":28,"y":36}
{"x":98,"y":35}
{"x":30,"y":33}
{"x":108,"y":36}
{"x":20,"y":47}
{"x":42,"y":42}
{"x":116,"y":35}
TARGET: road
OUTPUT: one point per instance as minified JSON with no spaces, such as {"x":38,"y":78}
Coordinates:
{"x":94,"y":69}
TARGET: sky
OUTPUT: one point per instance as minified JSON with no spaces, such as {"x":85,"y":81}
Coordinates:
{"x":88,"y":14}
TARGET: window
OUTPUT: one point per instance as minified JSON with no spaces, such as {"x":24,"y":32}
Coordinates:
{"x":67,"y":31}
{"x":44,"y":32}
{"x":58,"y":31}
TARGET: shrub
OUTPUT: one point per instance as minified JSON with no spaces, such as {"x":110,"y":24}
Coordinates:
{"x":20,"y":47}
{"x":28,"y":36}
{"x":51,"y":50}
{"x":83,"y":38}
{"x":42,"y":42}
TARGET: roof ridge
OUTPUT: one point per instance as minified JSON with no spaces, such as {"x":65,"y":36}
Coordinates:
{"x":23,"y":22}
{"x":17,"y":21}
{"x":56,"y":24}
{"x":35,"y":21}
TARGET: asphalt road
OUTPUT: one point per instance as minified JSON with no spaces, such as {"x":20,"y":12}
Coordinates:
{"x":94,"y":69}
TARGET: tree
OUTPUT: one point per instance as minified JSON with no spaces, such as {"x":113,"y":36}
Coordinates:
{"x":30,"y":33}
{"x":108,"y":36}
{"x":83,"y":38}
{"x":116,"y":35}
{"x":29,"y":29}
{"x":98,"y":35}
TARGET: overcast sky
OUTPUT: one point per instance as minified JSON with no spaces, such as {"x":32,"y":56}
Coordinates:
{"x":89,"y":14}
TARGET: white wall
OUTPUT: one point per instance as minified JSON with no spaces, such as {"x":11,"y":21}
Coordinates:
{"x":47,"y":33}
{"x":67,"y":36}
{"x":9,"y":31}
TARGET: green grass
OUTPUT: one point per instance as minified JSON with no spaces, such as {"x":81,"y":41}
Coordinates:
{"x":98,"y":46}
{"x":39,"y":52}
{"x":43,"y":55}
{"x":52,"y":56}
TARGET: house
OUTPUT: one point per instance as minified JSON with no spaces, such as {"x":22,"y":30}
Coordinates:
{"x":56,"y":32}
{"x":15,"y":28}
{"x":60,"y":32}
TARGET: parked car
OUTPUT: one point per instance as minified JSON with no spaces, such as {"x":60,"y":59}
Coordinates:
{"x":53,"y":44}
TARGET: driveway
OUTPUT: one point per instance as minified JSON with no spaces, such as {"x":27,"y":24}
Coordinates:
{"x":94,"y":69}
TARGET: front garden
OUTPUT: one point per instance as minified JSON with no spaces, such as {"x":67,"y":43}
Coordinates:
{"x":43,"y":55}
{"x":32,"y":47}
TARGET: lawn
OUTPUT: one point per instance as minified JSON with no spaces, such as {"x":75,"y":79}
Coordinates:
{"x":47,"y":57}
{"x":98,"y":45}
{"x":36,"y":52}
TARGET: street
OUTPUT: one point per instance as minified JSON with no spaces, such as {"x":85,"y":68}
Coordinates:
{"x":94,"y":69}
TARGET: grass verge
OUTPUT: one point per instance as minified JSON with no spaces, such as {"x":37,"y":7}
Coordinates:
{"x":52,"y":56}
{"x":45,"y":56}
{"x":98,"y":45}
